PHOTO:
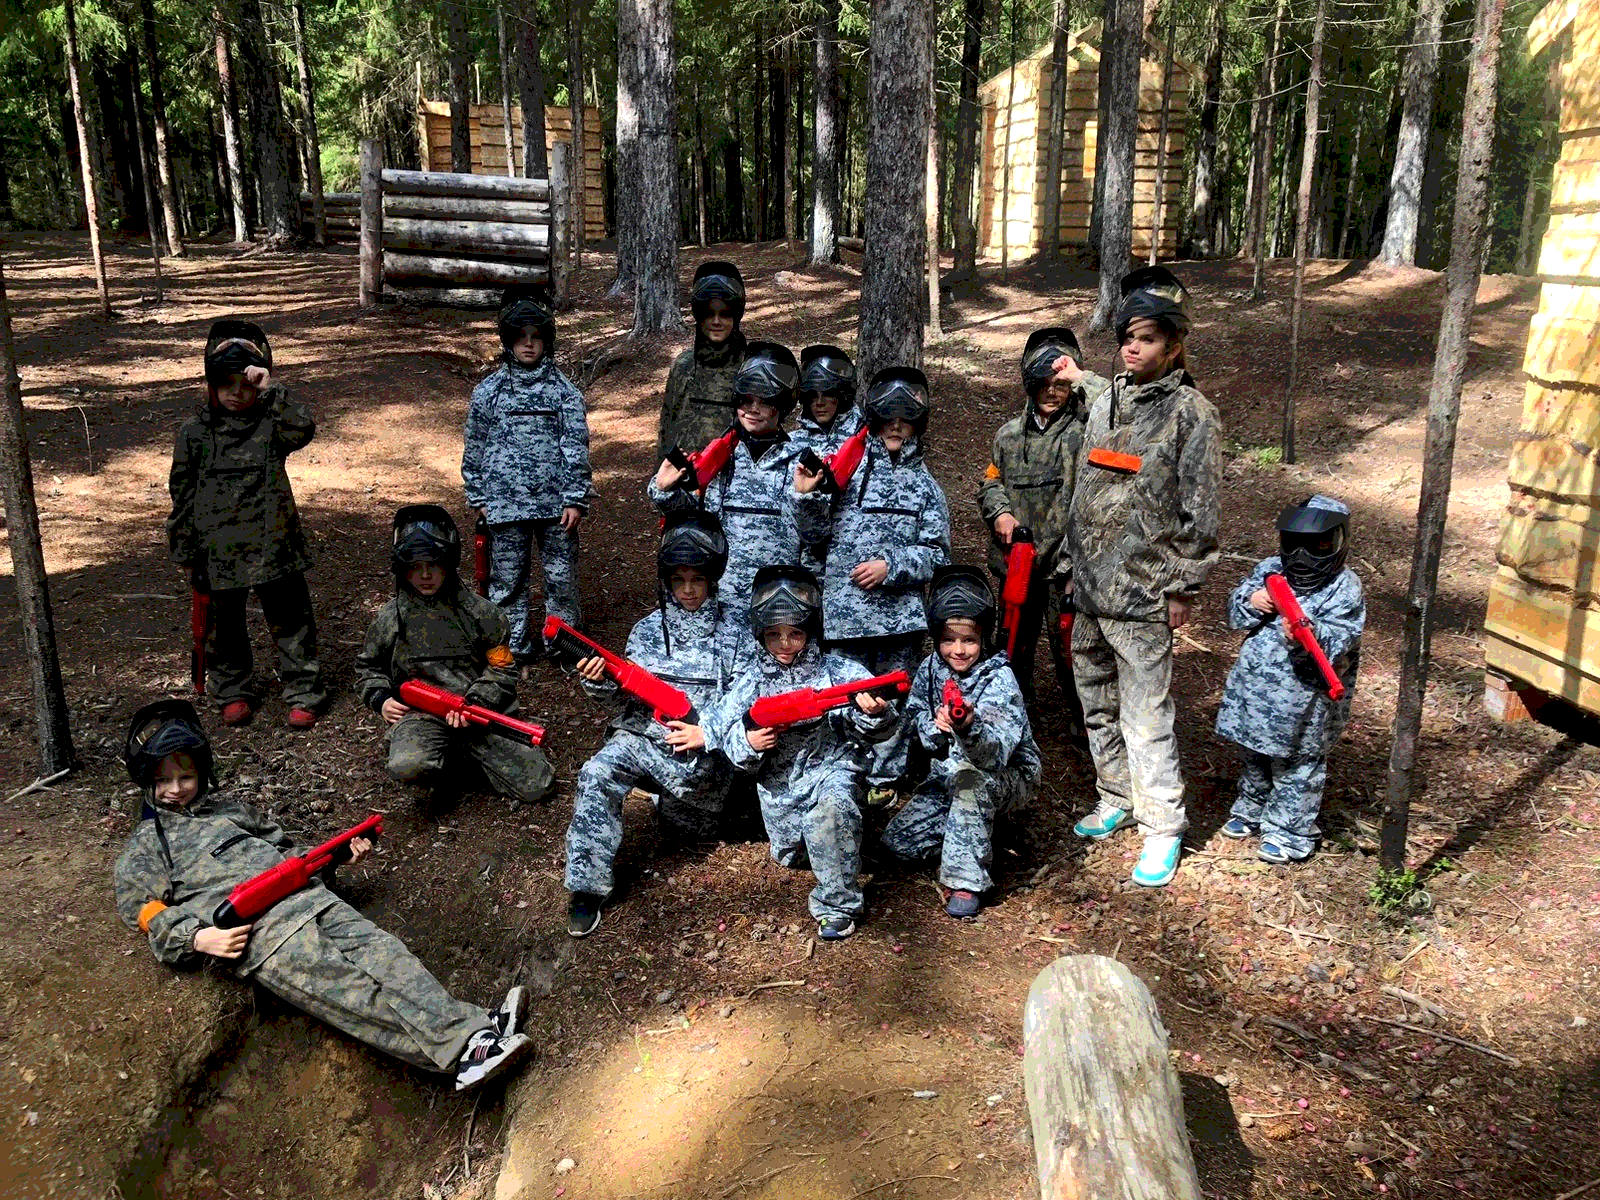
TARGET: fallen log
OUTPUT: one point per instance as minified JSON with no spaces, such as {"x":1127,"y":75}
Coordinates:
{"x":1103,"y":1097}
{"x":466,"y":237}
{"x":403,"y":270}
{"x":468,"y":208}
{"x":443,"y":183}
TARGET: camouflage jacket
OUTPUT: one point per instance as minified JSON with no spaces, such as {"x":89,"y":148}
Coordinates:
{"x":190,"y":859}
{"x":1030,"y":476}
{"x":525,"y":455}
{"x":1275,"y":701}
{"x":1000,"y":734}
{"x":233,"y":516}
{"x":891,"y":510}
{"x":452,"y":638}
{"x":1136,"y":538}
{"x":826,"y":441}
{"x":698,"y":405}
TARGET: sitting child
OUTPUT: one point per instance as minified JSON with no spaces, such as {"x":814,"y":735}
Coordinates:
{"x":438,"y":631}
{"x":193,"y":845}
{"x":981,"y":761}
{"x":808,"y":775}
{"x":1275,"y":705}
{"x":690,"y":643}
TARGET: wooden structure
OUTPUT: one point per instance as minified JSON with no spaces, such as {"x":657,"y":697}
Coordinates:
{"x":341,"y":213}
{"x":486,"y":125}
{"x":1103,"y":1097}
{"x":1543,"y":625}
{"x":1017,"y":127}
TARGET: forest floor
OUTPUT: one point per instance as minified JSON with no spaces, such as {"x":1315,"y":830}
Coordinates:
{"x":701,"y":1045}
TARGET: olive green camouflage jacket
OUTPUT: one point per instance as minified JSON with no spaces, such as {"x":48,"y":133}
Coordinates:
{"x":454,"y":638}
{"x":698,"y":405}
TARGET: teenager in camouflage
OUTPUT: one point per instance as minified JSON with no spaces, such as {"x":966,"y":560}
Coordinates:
{"x":698,"y":405}
{"x":1275,"y":706}
{"x":194,"y":844}
{"x":235,"y":528}
{"x":1141,"y":540}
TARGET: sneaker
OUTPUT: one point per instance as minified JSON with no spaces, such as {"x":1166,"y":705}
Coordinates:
{"x":1238,"y":829}
{"x":302,"y":718}
{"x":963,"y":904}
{"x":237,"y":712}
{"x":487,"y":1055}
{"x":513,"y":1011}
{"x":1105,"y":820}
{"x":583,"y":914}
{"x":1271,"y":852}
{"x":1158,"y":861}
{"x":878,"y":797}
{"x":835,"y":929}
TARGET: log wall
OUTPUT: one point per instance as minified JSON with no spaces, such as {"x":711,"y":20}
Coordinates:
{"x":1543,"y":623}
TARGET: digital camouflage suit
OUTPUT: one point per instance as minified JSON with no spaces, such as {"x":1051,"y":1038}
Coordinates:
{"x":824,"y":443}
{"x":698,"y":405}
{"x":698,"y":653}
{"x":456,"y":639}
{"x":809,"y":784}
{"x":1134,"y":539}
{"x":235,"y":527}
{"x":993,"y":767}
{"x":525,"y":458}
{"x":1275,"y":705}
{"x":311,"y":948}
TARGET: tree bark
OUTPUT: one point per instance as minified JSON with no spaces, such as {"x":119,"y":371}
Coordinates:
{"x":1158,"y":207}
{"x":1261,"y":165}
{"x":934,"y":331}
{"x":1411,"y":150}
{"x":797,"y":141}
{"x":1302,"y":231}
{"x":1122,"y":46}
{"x":158,"y":116}
{"x":579,"y":165}
{"x":1050,"y":233}
{"x":145,"y":172}
{"x":974,"y":18}
{"x":507,"y":132}
{"x":655,"y":296}
{"x":1347,"y":220}
{"x":371,"y":251}
{"x":629,"y":186}
{"x":1202,"y":213}
{"x":231,"y":130}
{"x":1002,"y":211}
{"x":733,"y":175}
{"x":308,"y":106}
{"x":91,"y":200}
{"x":530,"y":94}
{"x":898,"y":115}
{"x":778,"y":145}
{"x":277,"y":197}
{"x":758,"y":138}
{"x":701,"y":169}
{"x":460,"y":97}
{"x":560,"y":224}
{"x":827,"y":130}
{"x":1103,"y":90}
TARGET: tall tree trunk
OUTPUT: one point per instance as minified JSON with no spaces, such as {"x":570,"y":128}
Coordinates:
{"x":1281,"y":214}
{"x":51,"y":718}
{"x":460,"y":98}
{"x":277,"y":196}
{"x":7,"y":212}
{"x":530,"y":95}
{"x":828,"y":129}
{"x":702,"y":173}
{"x":778,"y":153}
{"x":91,"y":201}
{"x":230,"y":130}
{"x":655,"y":297}
{"x":1411,"y":150}
{"x":1103,"y":90}
{"x":733,"y":175}
{"x":1347,"y":220}
{"x":898,"y":114}
{"x":974,"y":16}
{"x":1261,"y":162}
{"x":308,"y":106}
{"x":118,"y":163}
{"x":797,"y":141}
{"x":145,"y":171}
{"x":1302,"y":230}
{"x":158,"y":114}
{"x":1202,"y":212}
{"x":1444,"y":406}
{"x":580,"y":153}
{"x":629,"y":184}
{"x":758,"y":137}
{"x":1158,"y":214}
{"x":1050,"y":232}
{"x":934,"y":331}
{"x":1122,"y":46}
{"x":506,"y":70}
{"x":1002,"y":210}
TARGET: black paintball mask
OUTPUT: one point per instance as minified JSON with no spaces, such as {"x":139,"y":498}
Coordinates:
{"x":785,"y":595}
{"x":163,"y":728}
{"x":769,"y":374}
{"x":423,"y":533}
{"x":717,"y":281}
{"x":826,"y":371}
{"x":521,"y":308}
{"x":233,"y":347}
{"x":898,"y":392}
{"x":1039,"y":356}
{"x":1313,"y":542}
{"x":961,"y":593}
{"x":692,"y":539}
{"x":1155,"y":294}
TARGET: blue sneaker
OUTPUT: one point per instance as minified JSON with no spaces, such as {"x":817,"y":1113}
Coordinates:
{"x":1158,"y":861}
{"x":835,"y":929}
{"x":1238,"y":829}
{"x":1105,"y":820}
{"x":963,"y":904}
{"x":1271,"y":852}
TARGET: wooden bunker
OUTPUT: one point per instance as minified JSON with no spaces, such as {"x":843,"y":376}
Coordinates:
{"x":1017,"y":127}
{"x":1542,"y":631}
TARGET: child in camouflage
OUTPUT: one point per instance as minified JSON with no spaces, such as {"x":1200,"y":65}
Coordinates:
{"x":1275,"y":706}
{"x":235,"y":528}
{"x":437,"y":631}
{"x":981,"y":749}
{"x":525,"y":464}
{"x":194,"y":844}
{"x":698,"y":405}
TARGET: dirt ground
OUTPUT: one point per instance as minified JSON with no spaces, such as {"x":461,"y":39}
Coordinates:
{"x":701,"y":1045}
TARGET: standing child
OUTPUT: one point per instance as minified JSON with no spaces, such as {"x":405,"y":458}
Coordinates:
{"x":235,"y":527}
{"x":437,"y":631}
{"x":525,"y":464}
{"x":828,"y":411}
{"x":194,"y":844}
{"x":698,"y":405}
{"x":808,"y":775}
{"x":690,"y":643}
{"x":1275,"y":706}
{"x":983,"y":759}
{"x":1141,"y":540}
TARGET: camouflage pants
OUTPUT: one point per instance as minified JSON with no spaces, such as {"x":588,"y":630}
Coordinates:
{"x":691,"y":790}
{"x":813,"y":819}
{"x":887,"y":761}
{"x":1283,"y":796}
{"x":286,"y":604}
{"x":423,"y":748}
{"x":1042,"y":612}
{"x":955,"y":819}
{"x":510,"y":572}
{"x":1124,"y":675}
{"x":343,"y":969}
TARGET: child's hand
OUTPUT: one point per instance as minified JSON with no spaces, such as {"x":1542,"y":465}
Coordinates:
{"x":222,"y":943}
{"x":941,"y":719}
{"x":593,"y":668}
{"x":872,"y":705}
{"x":1004,"y":526}
{"x":761,"y":740}
{"x":1261,"y":601}
{"x":869,"y":574}
{"x":456,"y":720}
{"x":393,"y":710}
{"x":1066,"y":367}
{"x":359,"y":849}
{"x":684,"y":737}
{"x":806,"y":481}
{"x":1178,"y":610}
{"x":668,"y":476}
{"x":257,"y":377}
{"x":570,"y":516}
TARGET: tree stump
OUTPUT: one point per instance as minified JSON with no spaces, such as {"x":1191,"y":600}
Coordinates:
{"x":1104,"y":1099}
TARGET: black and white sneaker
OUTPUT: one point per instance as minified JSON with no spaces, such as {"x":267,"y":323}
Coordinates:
{"x":835,"y":929}
{"x":583,"y":914}
{"x":487,"y":1055}
{"x":512,"y":1013}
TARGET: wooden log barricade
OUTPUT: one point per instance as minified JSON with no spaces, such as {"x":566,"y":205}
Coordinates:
{"x":1103,"y":1097}
{"x":342,"y":212}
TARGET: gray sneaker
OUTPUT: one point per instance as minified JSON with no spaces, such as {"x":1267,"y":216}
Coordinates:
{"x":487,"y":1055}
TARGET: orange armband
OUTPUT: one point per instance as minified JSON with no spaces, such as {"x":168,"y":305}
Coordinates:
{"x":148,"y":914}
{"x":1113,"y":460}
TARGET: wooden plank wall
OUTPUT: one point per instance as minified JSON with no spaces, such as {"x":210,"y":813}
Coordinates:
{"x":1543,"y":623}
{"x":487,"y":126}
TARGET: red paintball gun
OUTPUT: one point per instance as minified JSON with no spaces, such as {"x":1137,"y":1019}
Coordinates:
{"x":701,"y":467}
{"x":199,"y":627}
{"x":260,"y":892}
{"x":436,"y":701}
{"x":960,"y":710}
{"x":666,"y":702}
{"x":840,"y":465}
{"x":1014,"y":593}
{"x":807,"y":704}
{"x":480,"y":556}
{"x":1300,"y":629}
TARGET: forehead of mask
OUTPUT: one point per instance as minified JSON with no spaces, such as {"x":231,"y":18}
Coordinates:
{"x":1041,"y":362}
{"x":827,"y":374}
{"x":786,"y":595}
{"x":691,"y":546}
{"x":526,"y":312}
{"x":764,"y":379}
{"x":898,"y":399}
{"x":1328,"y":542}
{"x":960,"y":598}
{"x":717,"y":287}
{"x":235,"y":357}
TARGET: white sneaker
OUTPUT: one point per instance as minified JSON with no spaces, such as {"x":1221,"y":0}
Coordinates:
{"x":487,"y":1055}
{"x":1158,"y":861}
{"x":511,"y":1014}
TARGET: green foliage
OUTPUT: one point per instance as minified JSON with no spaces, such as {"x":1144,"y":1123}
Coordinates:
{"x":1396,"y":892}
